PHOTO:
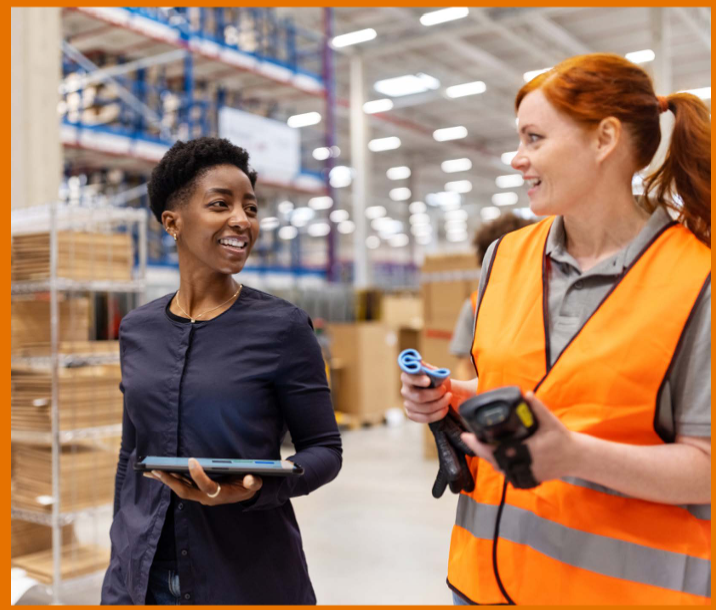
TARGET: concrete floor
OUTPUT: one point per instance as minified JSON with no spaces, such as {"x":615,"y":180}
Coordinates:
{"x":375,"y":535}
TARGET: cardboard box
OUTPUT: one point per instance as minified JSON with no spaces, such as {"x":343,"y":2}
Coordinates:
{"x":399,"y":311}
{"x":370,"y":375}
{"x":446,"y":281}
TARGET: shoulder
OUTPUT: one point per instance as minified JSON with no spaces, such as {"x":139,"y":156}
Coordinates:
{"x":268,"y":308}
{"x":145,"y":314}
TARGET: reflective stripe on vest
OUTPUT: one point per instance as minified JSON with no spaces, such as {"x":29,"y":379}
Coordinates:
{"x":569,"y":541}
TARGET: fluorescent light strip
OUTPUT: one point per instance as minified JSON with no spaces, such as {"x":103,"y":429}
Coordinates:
{"x":507,"y":157}
{"x":375,"y":106}
{"x":381,"y":144}
{"x":459,"y":186}
{"x":501,"y":199}
{"x":509,"y":181}
{"x":473,"y":88}
{"x":444,"y":15}
{"x":400,"y":194}
{"x":304,"y":120}
{"x":407,"y":84}
{"x":704,"y":92}
{"x":528,"y":76}
{"x":450,"y":133}
{"x":453,"y":166}
{"x":641,"y":57}
{"x":351,"y":38}
{"x":398,"y":173}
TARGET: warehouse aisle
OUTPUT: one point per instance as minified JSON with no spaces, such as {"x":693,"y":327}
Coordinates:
{"x":373,"y":536}
{"x":376,"y":535}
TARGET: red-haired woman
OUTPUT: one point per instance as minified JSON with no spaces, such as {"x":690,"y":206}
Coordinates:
{"x":601,"y":314}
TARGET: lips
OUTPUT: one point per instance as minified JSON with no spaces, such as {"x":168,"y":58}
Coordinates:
{"x":533,"y":183}
{"x":235,"y":245}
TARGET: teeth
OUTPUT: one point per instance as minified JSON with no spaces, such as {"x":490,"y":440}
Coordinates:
{"x":233,"y":242}
{"x":534,"y":182}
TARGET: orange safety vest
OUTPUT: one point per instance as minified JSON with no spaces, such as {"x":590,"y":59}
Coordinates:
{"x":473,"y":300}
{"x":570,"y":541}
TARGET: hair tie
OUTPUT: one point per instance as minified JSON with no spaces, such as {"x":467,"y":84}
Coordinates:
{"x":663,"y":103}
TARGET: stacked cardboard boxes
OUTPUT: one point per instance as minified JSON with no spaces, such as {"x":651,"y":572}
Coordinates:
{"x":86,"y":476}
{"x":368,"y":352}
{"x":446,"y":282}
{"x":81,"y":256}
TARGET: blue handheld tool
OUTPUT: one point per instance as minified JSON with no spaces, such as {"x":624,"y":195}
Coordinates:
{"x":411,"y":362}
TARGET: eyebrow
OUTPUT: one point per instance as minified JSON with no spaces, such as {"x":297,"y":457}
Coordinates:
{"x":524,"y":128}
{"x":227,"y":192}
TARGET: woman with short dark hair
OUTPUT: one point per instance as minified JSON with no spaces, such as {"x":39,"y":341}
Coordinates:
{"x":215,"y":370}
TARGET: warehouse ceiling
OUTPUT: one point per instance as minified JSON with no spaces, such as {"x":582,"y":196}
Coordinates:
{"x":494,"y":45}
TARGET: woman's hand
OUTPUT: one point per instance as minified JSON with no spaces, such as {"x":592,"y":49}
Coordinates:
{"x":229,"y":492}
{"x":552,"y":447}
{"x":424,"y":404}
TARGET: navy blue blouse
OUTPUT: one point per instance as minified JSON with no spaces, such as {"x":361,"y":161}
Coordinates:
{"x":229,"y":388}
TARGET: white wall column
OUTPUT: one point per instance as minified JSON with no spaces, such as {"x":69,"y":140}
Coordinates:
{"x":35,"y":59}
{"x":662,"y":75}
{"x":360,"y":162}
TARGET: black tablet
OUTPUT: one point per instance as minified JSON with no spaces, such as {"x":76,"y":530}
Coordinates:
{"x":216,"y":466}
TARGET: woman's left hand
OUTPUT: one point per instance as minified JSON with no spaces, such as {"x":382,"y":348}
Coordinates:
{"x":230,"y":491}
{"x":552,"y":447}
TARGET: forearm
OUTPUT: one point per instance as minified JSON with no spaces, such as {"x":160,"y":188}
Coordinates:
{"x":462,"y":390}
{"x":673,"y":473}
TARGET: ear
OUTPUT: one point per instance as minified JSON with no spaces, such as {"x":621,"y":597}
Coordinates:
{"x":171,"y":222}
{"x":608,"y":136}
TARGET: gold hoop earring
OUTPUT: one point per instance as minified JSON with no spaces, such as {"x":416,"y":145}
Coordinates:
{"x":174,"y":236}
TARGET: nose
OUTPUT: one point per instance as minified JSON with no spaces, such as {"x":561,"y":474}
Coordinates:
{"x":239,"y":220}
{"x":520,"y":161}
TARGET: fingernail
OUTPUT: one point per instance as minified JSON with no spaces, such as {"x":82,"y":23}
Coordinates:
{"x":192,"y":464}
{"x":157,"y":474}
{"x":149,"y":475}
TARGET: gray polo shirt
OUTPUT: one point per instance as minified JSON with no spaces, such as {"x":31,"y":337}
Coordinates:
{"x":685,"y":404}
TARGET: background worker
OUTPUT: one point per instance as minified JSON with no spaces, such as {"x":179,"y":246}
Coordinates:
{"x":601,"y":314}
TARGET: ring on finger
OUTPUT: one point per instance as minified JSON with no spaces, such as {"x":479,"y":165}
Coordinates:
{"x":216,"y":493}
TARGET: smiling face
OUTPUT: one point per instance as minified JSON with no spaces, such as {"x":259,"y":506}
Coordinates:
{"x":556,"y":157}
{"x":218,"y":224}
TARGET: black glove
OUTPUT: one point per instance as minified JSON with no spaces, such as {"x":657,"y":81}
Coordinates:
{"x":453,"y":469}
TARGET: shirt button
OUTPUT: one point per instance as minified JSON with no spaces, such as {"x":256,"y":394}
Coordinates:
{"x":579,"y":285}
{"x":180,"y":506}
{"x":187,"y":595}
{"x":184,"y":552}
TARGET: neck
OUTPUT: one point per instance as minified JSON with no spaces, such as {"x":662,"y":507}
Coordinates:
{"x":603,"y":224}
{"x":199,"y":291}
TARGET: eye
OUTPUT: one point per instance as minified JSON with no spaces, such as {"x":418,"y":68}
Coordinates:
{"x":252,"y":209}
{"x":219,"y":203}
{"x":533,"y":137}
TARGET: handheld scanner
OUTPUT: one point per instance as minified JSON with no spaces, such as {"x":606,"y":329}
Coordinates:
{"x":411,"y":362}
{"x":499,"y":415}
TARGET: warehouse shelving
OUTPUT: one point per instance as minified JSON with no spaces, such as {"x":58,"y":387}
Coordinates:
{"x":67,"y":236}
{"x":201,"y":60}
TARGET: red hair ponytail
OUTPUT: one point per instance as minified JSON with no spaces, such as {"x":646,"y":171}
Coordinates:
{"x":590,"y":88}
